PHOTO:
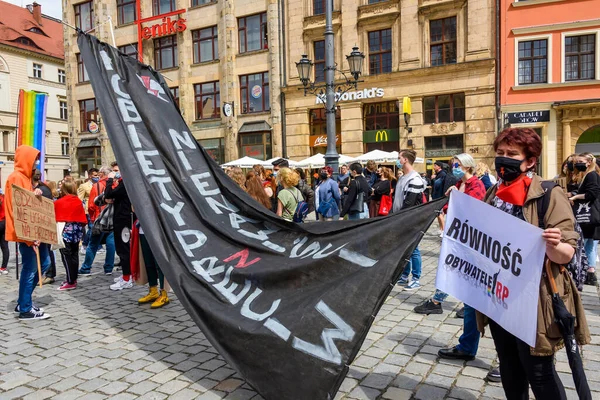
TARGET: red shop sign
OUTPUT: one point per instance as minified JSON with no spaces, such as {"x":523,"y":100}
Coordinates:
{"x":167,"y":27}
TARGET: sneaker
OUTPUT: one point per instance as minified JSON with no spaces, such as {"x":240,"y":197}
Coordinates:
{"x":453,"y":353}
{"x":83,"y":250}
{"x":32,"y":314}
{"x":460,"y":313}
{"x":162,"y":300}
{"x":118,"y":279}
{"x":101,"y":251}
{"x":107,"y":273}
{"x":4,"y":271}
{"x":121,"y":284}
{"x":67,"y":286}
{"x":47,"y":281}
{"x":591,"y":279}
{"x":429,"y":307}
{"x":403,"y":280}
{"x":441,"y":232}
{"x":33,"y":307}
{"x":85,"y":272}
{"x":494,"y":375}
{"x":413,"y":285}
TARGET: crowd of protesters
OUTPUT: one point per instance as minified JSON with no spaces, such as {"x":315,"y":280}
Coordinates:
{"x":97,"y":211}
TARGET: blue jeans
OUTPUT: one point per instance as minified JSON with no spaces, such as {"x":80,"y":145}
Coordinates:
{"x":354,"y":217}
{"x":439,"y":296}
{"x":414,"y":265}
{"x":90,"y":254}
{"x":591,"y":251}
{"x":469,"y":340}
{"x":29,"y":274}
{"x":88,"y":232}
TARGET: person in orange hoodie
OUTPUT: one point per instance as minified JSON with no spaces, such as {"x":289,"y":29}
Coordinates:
{"x":26,"y":158}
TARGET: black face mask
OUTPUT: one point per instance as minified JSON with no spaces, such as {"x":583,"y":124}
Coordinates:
{"x":323,"y":175}
{"x":508,"y":169}
{"x":581,"y":166}
{"x":570,"y":166}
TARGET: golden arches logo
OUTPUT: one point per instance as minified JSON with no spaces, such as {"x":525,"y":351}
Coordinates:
{"x":381,"y":136}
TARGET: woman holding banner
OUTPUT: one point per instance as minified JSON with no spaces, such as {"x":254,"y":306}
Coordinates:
{"x":517,"y":151}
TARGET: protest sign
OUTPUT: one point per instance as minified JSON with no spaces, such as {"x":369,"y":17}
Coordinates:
{"x":34,"y":216}
{"x":493,"y":262}
{"x":286,"y":305}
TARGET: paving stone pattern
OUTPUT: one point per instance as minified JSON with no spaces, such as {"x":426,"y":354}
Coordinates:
{"x":100,"y":344}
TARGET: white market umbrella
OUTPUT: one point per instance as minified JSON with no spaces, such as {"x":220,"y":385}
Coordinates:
{"x":244,"y":162}
{"x":375,"y":155}
{"x":318,"y":161}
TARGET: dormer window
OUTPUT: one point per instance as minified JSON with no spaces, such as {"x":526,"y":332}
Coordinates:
{"x":25,"y":41}
{"x":36,"y":30}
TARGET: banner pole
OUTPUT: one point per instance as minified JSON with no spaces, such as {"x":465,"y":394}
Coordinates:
{"x":37,"y":256}
{"x":112,"y":31}
{"x":17,"y":119}
{"x":17,"y":259}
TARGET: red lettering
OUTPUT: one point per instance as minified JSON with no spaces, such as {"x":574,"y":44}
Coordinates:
{"x":243,"y":256}
{"x":146,"y":33}
{"x":172,"y":25}
{"x":181,"y":25}
{"x":157,"y":30}
{"x":505,"y":293}
{"x":498,"y":289}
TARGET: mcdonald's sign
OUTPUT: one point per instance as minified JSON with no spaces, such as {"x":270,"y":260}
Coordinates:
{"x":381,"y":135}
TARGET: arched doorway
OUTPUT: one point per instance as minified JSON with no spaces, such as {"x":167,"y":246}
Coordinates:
{"x":589,"y":141}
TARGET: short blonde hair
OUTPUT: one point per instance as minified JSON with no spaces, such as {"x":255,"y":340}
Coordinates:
{"x":288,"y":177}
{"x":481,"y":169}
{"x":466,"y":161}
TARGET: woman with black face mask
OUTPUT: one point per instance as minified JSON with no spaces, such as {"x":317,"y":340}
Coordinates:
{"x":588,"y":193}
{"x":517,"y":193}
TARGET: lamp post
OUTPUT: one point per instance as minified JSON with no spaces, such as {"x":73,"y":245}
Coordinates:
{"x":304,"y":66}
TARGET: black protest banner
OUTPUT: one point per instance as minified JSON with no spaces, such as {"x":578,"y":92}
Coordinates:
{"x":287,"y":305}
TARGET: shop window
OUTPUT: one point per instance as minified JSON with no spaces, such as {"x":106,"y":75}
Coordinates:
{"x":319,"y":7}
{"x":442,"y":35}
{"x":163,"y":6}
{"x":318,"y":130}
{"x":379,"y":116}
{"x":130,"y":50}
{"x":84,"y":16}
{"x":82,"y":75}
{"x":201,"y":2}
{"x":208,"y":100}
{"x":254,"y":92}
{"x":444,"y":146}
{"x":319,"y":63}
{"x":380,"y":52}
{"x":256,"y":145}
{"x":533,"y":62}
{"x":580,"y":57}
{"x":126,"y":12}
{"x":6,"y":141}
{"x":252,"y":33}
{"x":444,"y":108}
{"x":63,"y":110}
{"x":37,"y":71}
{"x":165,"y":53}
{"x":206,"y":44}
{"x":175,"y":94}
{"x":88,"y":112}
{"x":64,"y":144}
{"x":62,"y":76}
{"x":215,"y":149}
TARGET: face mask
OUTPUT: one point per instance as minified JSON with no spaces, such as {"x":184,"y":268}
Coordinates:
{"x":274,"y":173}
{"x":323,"y":176}
{"x":95,"y":180}
{"x":508,"y":169}
{"x":570,"y":166}
{"x":580,"y":166}
{"x":118,"y":175}
{"x":398,"y":164}
{"x":457,"y":172}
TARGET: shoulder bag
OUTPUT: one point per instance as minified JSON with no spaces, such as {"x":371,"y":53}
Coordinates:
{"x":385,"y":205}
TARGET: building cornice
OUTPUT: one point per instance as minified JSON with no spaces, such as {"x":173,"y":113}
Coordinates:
{"x":30,"y":53}
{"x":530,"y":3}
{"x":590,"y":23}
{"x":568,"y":84}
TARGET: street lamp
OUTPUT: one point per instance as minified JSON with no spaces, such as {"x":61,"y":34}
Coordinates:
{"x":304,"y":66}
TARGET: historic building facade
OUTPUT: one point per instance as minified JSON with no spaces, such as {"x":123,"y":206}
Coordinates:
{"x":211,"y":53}
{"x":31,"y":58}
{"x":550,"y":75}
{"x":440,"y":54}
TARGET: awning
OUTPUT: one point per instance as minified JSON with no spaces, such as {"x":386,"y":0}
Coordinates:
{"x":88,"y":143}
{"x":254,"y":127}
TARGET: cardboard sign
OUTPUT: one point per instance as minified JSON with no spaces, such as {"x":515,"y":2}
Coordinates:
{"x":34,"y":216}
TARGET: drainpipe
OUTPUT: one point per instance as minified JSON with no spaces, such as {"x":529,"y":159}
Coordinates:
{"x":282,"y":75}
{"x":497,"y":68}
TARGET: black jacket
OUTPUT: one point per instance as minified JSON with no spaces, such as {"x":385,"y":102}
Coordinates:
{"x":353,"y":192}
{"x":122,"y":203}
{"x":590,"y":187}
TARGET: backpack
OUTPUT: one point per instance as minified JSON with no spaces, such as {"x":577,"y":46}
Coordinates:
{"x":578,"y":265}
{"x":301,"y":209}
{"x":358,"y":202}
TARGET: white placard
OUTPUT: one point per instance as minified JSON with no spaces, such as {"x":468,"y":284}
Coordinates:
{"x":493,"y":262}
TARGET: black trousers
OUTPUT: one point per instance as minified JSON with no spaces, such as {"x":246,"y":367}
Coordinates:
{"x":122,"y":231}
{"x":519,"y":369}
{"x":51,"y":273}
{"x":4,"y":244}
{"x":70,"y":259}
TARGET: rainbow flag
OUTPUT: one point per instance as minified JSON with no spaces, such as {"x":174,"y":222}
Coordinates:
{"x":32,"y":122}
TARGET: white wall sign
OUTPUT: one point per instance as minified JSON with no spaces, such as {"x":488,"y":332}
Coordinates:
{"x":371,"y":93}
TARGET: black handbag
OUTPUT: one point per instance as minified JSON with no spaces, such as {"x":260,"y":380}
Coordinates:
{"x":357,"y":205}
{"x":587,"y":212}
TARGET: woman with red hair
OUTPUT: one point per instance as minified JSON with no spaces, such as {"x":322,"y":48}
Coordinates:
{"x":519,"y":188}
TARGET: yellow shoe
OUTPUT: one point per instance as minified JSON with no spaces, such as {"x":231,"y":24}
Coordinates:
{"x":151,"y":296}
{"x":161,"y":301}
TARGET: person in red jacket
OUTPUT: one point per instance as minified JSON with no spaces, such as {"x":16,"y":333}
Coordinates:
{"x":69,"y":209}
{"x":3,"y":242}
{"x":96,"y":239}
